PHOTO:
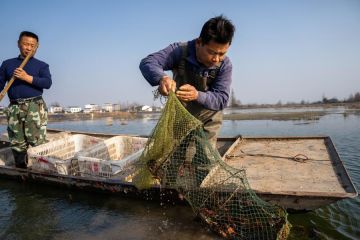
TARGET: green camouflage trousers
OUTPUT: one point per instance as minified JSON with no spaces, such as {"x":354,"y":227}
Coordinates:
{"x":27,"y":124}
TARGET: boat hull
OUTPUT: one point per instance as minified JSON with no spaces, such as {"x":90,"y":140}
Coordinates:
{"x":295,"y":200}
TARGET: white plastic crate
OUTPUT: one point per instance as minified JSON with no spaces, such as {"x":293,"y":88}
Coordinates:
{"x":6,"y":157}
{"x":111,"y":156}
{"x":57,"y":156}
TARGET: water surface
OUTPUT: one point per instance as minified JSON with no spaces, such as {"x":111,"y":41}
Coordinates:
{"x":34,"y":211}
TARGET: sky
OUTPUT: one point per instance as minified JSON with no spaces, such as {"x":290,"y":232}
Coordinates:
{"x":285,"y":51}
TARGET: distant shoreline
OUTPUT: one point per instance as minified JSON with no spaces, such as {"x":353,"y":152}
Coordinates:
{"x":353,"y":108}
{"x":352,"y":105}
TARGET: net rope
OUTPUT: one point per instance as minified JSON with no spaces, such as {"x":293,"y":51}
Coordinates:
{"x":178,"y":155}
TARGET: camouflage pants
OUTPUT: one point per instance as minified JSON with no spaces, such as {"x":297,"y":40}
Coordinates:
{"x":27,"y":124}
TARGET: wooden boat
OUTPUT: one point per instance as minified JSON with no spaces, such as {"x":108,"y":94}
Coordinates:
{"x":297,"y":173}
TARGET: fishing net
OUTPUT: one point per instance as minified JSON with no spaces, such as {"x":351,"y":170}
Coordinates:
{"x":178,"y":155}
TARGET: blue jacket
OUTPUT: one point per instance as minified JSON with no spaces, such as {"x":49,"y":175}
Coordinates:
{"x":20,"y":89}
{"x":217,"y":96}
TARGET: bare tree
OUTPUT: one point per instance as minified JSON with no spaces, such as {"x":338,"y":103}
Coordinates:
{"x":55,"y":104}
{"x":233,"y":101}
{"x":357,"y":97}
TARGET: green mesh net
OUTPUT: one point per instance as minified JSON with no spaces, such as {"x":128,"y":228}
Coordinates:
{"x":178,"y":155}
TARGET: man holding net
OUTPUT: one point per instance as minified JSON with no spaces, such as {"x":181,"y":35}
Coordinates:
{"x":201,"y":73}
{"x":181,"y":149}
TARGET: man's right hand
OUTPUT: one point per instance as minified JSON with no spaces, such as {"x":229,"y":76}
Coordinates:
{"x":166,"y":85}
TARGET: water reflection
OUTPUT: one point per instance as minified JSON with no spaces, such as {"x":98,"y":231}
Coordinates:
{"x":42,"y":212}
{"x":27,"y":215}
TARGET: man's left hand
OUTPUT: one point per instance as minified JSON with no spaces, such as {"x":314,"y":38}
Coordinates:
{"x":187,"y":93}
{"x":22,"y":75}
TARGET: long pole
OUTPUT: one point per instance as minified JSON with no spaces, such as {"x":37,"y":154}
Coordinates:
{"x":24,"y":62}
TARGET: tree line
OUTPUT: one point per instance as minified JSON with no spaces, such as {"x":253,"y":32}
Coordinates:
{"x":353,"y":98}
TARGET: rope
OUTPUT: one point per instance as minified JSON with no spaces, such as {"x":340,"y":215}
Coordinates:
{"x":301,"y":158}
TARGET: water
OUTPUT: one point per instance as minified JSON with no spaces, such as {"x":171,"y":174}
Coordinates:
{"x":34,"y":211}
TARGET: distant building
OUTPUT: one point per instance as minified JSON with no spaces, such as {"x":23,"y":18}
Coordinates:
{"x":146,"y":108}
{"x":108,"y":107}
{"x":117,"y":107}
{"x":56,"y":109}
{"x":143,"y":108}
{"x":75,"y":109}
{"x":90,"y":108}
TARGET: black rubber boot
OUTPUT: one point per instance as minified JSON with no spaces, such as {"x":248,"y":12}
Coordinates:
{"x":20,"y":159}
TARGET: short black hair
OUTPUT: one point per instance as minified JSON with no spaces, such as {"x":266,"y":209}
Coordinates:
{"x":219,"y":29}
{"x":28,"y":34}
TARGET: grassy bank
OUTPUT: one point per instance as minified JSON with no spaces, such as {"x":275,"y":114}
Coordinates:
{"x":308,"y":116}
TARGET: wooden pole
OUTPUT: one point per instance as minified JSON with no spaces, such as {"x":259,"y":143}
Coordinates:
{"x":24,"y":62}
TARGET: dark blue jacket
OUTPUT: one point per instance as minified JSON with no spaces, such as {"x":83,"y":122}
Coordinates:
{"x":20,"y":89}
{"x":216,"y":98}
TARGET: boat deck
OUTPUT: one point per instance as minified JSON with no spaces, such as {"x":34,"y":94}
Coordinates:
{"x":297,"y":166}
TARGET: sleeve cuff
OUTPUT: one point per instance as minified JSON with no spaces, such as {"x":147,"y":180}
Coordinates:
{"x":201,"y":97}
{"x":35,"y":81}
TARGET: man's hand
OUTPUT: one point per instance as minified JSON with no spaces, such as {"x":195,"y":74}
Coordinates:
{"x":22,"y":75}
{"x":187,"y":93}
{"x":166,"y":85}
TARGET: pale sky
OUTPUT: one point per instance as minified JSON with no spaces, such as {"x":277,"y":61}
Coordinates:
{"x":282,"y":50}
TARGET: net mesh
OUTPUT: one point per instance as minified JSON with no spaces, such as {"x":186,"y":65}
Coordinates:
{"x":178,"y":155}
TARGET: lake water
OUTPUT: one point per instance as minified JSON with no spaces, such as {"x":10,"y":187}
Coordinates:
{"x":33,"y":211}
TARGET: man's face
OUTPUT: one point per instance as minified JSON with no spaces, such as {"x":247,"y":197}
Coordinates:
{"x":211,"y":53}
{"x":26,"y":45}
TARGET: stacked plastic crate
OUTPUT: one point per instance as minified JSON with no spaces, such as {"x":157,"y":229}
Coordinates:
{"x":111,"y":156}
{"x":59,"y":156}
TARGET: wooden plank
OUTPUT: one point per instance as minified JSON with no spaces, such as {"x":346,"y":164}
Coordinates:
{"x":283,"y":165}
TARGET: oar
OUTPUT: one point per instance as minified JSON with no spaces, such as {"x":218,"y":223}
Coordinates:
{"x":24,"y":62}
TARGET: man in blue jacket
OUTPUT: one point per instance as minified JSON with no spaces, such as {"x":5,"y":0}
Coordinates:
{"x":201,"y":73}
{"x":27,"y":112}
